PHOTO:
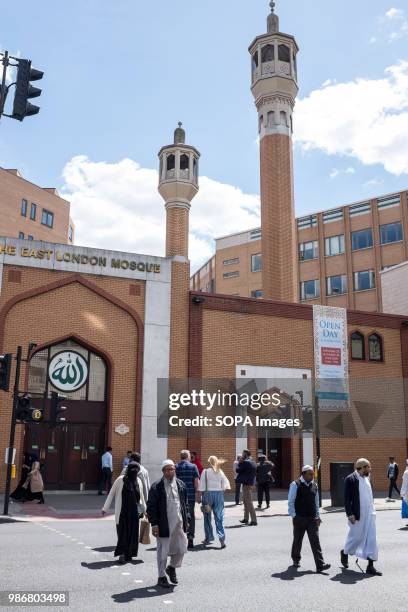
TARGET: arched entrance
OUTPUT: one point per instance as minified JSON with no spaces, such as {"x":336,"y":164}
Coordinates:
{"x":70,"y":451}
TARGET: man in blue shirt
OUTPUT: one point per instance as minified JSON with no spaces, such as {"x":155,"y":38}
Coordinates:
{"x":303,"y":507}
{"x":188,"y":473}
{"x":107,"y":470}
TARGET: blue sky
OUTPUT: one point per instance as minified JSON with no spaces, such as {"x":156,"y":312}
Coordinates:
{"x":119,"y":75}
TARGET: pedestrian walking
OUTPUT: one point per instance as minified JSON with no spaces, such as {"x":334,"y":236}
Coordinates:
{"x":130,"y":505}
{"x":126,"y":460}
{"x":105,"y":482}
{"x":247,"y":476}
{"x":392,"y":475}
{"x":20,"y":492}
{"x":213,"y":483}
{"x":143,"y":474}
{"x":303,"y":507}
{"x":359,"y":506}
{"x":197,"y":461}
{"x":237,"y":484}
{"x":188,"y":473}
{"x":404,"y":493}
{"x":264,"y":479}
{"x":167,"y":511}
{"x":34,"y":485}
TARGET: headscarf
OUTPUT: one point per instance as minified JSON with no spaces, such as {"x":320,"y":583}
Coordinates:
{"x":130,"y":479}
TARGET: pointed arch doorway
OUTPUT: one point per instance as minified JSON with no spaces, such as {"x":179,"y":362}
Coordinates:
{"x":70,"y":451}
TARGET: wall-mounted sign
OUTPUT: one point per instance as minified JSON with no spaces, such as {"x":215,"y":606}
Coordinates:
{"x":68,"y":371}
{"x":122,"y":429}
{"x":331,"y":356}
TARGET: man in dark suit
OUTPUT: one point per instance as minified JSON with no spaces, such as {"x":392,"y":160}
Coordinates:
{"x":246,"y":475}
{"x":392,"y":475}
{"x":167,"y":511}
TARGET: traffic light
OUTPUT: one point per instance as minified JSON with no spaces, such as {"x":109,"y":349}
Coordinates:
{"x":25,"y":91}
{"x":56,"y":407}
{"x":5,"y":371}
{"x":26,"y":412}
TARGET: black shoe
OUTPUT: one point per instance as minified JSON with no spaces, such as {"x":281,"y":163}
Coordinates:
{"x":190,"y":544}
{"x":344,"y":559}
{"x":244,"y":522}
{"x":171,"y":572}
{"x":253,"y":524}
{"x":163,"y":582}
{"x":122,"y":560}
{"x":99,"y":492}
{"x":267,"y":506}
{"x":223,"y":544}
{"x":296,"y":564}
{"x":259,"y":506}
{"x":323,"y":568}
{"x":373,"y":571}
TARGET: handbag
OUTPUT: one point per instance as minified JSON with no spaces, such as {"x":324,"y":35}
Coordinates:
{"x":404,"y":509}
{"x":144,"y":531}
{"x":206,"y":508}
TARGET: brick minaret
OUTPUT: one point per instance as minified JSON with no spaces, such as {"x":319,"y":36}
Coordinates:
{"x":178,"y":184}
{"x":274,"y":87}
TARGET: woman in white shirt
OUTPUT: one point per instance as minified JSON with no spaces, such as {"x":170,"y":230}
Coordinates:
{"x":213,"y":483}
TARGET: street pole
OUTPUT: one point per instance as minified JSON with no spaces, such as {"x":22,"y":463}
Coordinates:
{"x":3,"y":83}
{"x":318,"y":455}
{"x":12,"y":430}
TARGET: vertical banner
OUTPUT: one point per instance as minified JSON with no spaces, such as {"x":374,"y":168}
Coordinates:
{"x":331,"y":357}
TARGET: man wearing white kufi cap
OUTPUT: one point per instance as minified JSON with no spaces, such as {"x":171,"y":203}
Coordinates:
{"x":359,"y":506}
{"x":167,"y":510}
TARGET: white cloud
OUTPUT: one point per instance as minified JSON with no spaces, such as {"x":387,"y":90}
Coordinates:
{"x":366,"y":119}
{"x":335,"y":172}
{"x":373,"y":182}
{"x":372,"y":40}
{"x":394,"y":13}
{"x":117,"y":206}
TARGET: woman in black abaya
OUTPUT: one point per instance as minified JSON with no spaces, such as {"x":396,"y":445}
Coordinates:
{"x":131,"y":511}
{"x":20,"y":492}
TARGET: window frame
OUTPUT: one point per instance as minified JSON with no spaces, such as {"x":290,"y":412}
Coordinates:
{"x":303,"y":297}
{"x":367,"y":229}
{"x":330,"y":292}
{"x":253,"y":255}
{"x":342,"y":244}
{"x":47,"y":213}
{"x":381,"y":342}
{"x":33,"y":207}
{"x":361,"y":336}
{"x":372,"y":275}
{"x":314,"y":250}
{"x":23,"y":207}
{"x":21,"y":236}
{"x":387,"y":225}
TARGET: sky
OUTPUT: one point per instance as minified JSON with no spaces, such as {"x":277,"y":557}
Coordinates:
{"x":118,"y":76}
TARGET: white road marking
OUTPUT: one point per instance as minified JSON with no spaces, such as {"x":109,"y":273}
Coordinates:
{"x":125,"y":573}
{"x":152,"y":590}
{"x":88,"y":547}
{"x":167,"y":601}
{"x":138,"y":581}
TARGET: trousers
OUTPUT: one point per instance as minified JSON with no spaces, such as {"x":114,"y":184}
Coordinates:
{"x":191,"y":524}
{"x":263,"y":487}
{"x":393,"y":485}
{"x":216,"y":500}
{"x":106,"y":480}
{"x":249,"y":510}
{"x":301,"y":525}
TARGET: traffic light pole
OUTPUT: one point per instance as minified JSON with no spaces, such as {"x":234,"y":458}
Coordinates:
{"x":3,"y":83}
{"x":12,"y":430}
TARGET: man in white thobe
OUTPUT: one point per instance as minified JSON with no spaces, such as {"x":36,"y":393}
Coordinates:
{"x":167,"y":510}
{"x":359,"y":505}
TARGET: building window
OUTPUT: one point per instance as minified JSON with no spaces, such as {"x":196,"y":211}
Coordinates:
{"x":230,"y":274}
{"x":334,"y":245}
{"x":255,"y":234}
{"x":308,"y":250}
{"x":306,"y":222}
{"x":171,"y":162}
{"x":360,"y":209}
{"x":388,"y":202}
{"x":392,"y":232}
{"x":47,"y":218}
{"x":231,"y":262}
{"x":284,"y":53}
{"x":70,"y":233}
{"x":268,"y":53}
{"x":29,"y":237}
{"x":333,"y":215}
{"x":375,"y":352}
{"x":24,"y":205}
{"x":184,"y":162}
{"x":336,"y":285}
{"x":33,"y":211}
{"x":258,"y":293}
{"x":21,"y":235}
{"x":256,"y":262}
{"x":357,"y":346}
{"x":362,"y":239}
{"x":364,"y":280}
{"x":255,"y":60}
{"x":309,"y":289}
